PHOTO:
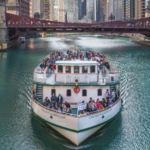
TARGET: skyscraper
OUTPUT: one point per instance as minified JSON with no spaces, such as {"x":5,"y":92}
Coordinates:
{"x":46,"y":9}
{"x":82,"y":9}
{"x":37,"y":8}
{"x":96,"y":10}
{"x":24,"y":7}
{"x":147,"y":10}
{"x":139,"y":9}
{"x":128,"y":10}
{"x":90,"y":9}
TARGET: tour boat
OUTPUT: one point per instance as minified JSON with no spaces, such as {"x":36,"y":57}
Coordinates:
{"x":77,"y":80}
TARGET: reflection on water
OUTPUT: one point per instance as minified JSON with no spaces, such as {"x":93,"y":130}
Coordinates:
{"x":21,"y":129}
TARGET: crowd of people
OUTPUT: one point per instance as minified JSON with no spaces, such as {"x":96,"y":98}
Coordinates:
{"x":56,"y":103}
{"x":70,"y":55}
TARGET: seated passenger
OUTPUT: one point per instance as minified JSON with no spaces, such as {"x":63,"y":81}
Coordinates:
{"x":35,"y":97}
{"x":55,"y":106}
{"x":64,"y":109}
{"x":68,"y":111}
{"x":67,"y":104}
{"x":98,"y":104}
{"x":58,"y":110}
{"x":48,"y":106}
{"x":92,"y":105}
{"x":51,"y":108}
{"x":47,"y":100}
{"x":110,"y":103}
{"x":82,"y":113}
{"x":44,"y":103}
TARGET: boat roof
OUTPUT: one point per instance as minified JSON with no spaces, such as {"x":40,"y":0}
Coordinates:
{"x":75,"y":63}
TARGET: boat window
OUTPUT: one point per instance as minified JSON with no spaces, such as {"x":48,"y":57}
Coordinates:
{"x":112,"y":78}
{"x":68,"y":69}
{"x":92,"y":69}
{"x":60,"y":69}
{"x":53,"y":91}
{"x":99,"y":92}
{"x":68,"y":92}
{"x":84,"y":69}
{"x":76,"y":69}
{"x":84,"y":92}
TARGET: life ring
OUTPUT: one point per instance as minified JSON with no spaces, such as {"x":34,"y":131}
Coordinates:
{"x":76,"y":89}
{"x":54,"y":67}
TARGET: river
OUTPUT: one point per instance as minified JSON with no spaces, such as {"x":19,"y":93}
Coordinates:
{"x":21,"y":130}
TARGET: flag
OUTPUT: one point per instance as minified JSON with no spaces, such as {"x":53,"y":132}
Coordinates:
{"x":82,"y":106}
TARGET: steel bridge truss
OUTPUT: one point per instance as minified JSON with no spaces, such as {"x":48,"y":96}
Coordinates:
{"x":19,"y":25}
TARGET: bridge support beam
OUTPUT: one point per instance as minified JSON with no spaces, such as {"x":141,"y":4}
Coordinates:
{"x":3,"y":29}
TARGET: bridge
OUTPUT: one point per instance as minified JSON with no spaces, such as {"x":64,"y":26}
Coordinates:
{"x":18,"y":25}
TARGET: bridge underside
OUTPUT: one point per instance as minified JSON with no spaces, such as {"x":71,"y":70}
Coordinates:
{"x":16,"y":32}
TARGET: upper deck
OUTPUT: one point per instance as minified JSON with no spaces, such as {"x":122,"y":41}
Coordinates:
{"x":77,"y":67}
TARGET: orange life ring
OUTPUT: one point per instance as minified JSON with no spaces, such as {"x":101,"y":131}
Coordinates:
{"x":76,"y":89}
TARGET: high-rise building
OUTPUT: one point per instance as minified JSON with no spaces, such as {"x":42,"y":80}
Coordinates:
{"x":46,"y":5}
{"x":71,"y":7}
{"x":59,"y":8}
{"x":90,"y":9}
{"x":115,"y":10}
{"x":37,"y":8}
{"x":96,"y":10}
{"x":12,"y":7}
{"x":139,"y":9}
{"x":82,"y":9}
{"x":106,"y":10}
{"x":24,"y":7}
{"x":147,"y":10}
{"x":128,"y":10}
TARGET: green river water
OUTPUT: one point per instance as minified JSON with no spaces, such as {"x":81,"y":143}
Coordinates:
{"x":21,"y":130}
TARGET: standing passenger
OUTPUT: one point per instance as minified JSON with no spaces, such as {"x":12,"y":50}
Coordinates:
{"x":107,"y":96}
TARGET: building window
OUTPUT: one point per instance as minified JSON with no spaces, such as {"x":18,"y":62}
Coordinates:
{"x":68,"y":69}
{"x":53,"y":91}
{"x":84,"y":92}
{"x":76,"y":69}
{"x":60,"y":69}
{"x":68,"y":92}
{"x":85,"y":69}
{"x":92,"y":69}
{"x":99,"y":92}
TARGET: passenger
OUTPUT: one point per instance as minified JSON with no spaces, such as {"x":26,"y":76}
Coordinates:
{"x":101,"y":107}
{"x":113,"y":95}
{"x":35,"y":97}
{"x":55,"y":106}
{"x":60,"y":106}
{"x":48,"y":106}
{"x":47,"y":100}
{"x":59,"y":99}
{"x":107,"y":95}
{"x":58,"y":110}
{"x":67,"y":104}
{"x":98,"y":104}
{"x":110,"y":103}
{"x":53,"y":99}
{"x":82,"y":113}
{"x":51,"y":108}
{"x":92,"y":104}
{"x":44,"y":103}
{"x":64,"y":109}
{"x":68,"y":111}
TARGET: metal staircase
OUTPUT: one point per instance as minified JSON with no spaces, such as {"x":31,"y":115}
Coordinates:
{"x":39,"y":92}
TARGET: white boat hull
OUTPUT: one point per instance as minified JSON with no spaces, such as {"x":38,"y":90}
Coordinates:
{"x":76,"y":129}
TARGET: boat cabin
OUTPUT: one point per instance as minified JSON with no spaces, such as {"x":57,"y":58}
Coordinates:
{"x":83,"y":71}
